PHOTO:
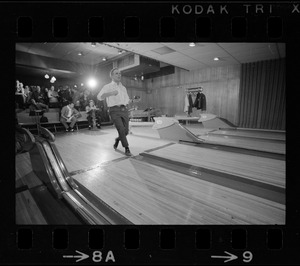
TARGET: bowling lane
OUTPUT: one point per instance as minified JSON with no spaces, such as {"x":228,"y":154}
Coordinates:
{"x":265,"y":170}
{"x":256,"y":134}
{"x":149,"y":194}
{"x":246,"y":143}
{"x":169,"y":129}
{"x":85,"y":148}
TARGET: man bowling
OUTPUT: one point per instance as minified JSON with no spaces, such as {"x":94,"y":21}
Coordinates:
{"x":117,"y":98}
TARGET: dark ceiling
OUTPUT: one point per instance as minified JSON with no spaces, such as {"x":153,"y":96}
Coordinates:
{"x":72,"y":60}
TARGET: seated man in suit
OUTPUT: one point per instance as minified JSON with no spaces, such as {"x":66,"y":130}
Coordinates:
{"x":69,"y":114}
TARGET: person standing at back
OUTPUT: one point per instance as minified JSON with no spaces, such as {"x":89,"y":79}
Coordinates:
{"x":117,"y":98}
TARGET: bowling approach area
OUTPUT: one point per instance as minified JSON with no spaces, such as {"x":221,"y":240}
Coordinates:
{"x":180,"y":173}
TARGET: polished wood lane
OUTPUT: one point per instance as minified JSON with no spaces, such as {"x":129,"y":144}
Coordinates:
{"x":270,"y":135}
{"x":27,"y":211}
{"x":252,"y":144}
{"x":265,"y":170}
{"x":85,"y":148}
{"x":147,"y":194}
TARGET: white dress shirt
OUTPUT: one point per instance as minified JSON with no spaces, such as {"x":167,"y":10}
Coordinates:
{"x":121,"y":98}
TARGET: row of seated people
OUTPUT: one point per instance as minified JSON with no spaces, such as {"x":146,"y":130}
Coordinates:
{"x":69,"y":114}
{"x":37,"y":98}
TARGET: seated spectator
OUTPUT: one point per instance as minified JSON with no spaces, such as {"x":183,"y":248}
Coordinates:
{"x":93,"y":114}
{"x":37,"y":102}
{"x":65,"y":96}
{"x":76,"y":98}
{"x":20,"y":95}
{"x":44,"y":92}
{"x":69,"y":115}
{"x":27,"y":93}
{"x":85,"y":98}
{"x":77,"y":105}
{"x":53,"y":97}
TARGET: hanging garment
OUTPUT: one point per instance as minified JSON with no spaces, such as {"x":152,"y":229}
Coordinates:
{"x":191,"y":105}
{"x":200,"y":101}
{"x":186,"y":104}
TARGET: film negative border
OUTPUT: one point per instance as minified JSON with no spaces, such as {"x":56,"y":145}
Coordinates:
{"x":151,"y":244}
{"x":242,"y":21}
{"x":266,"y":21}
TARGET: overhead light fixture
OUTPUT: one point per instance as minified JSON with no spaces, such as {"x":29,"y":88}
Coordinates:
{"x":192,"y":44}
{"x":47,"y":76}
{"x":104,"y":59}
{"x":53,"y":79}
{"x":80,"y":53}
{"x":216,"y":58}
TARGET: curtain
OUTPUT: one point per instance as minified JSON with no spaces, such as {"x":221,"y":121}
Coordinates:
{"x":262,"y":100}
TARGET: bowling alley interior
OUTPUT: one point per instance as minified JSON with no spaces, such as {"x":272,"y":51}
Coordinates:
{"x":206,"y":132}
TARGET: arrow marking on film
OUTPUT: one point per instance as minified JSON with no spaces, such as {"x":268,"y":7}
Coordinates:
{"x":82,"y":256}
{"x":229,"y":258}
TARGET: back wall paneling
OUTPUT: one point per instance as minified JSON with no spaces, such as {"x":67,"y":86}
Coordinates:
{"x":220,"y":86}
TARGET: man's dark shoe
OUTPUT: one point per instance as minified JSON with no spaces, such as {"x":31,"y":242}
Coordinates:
{"x":116,"y":143}
{"x":127,"y":152}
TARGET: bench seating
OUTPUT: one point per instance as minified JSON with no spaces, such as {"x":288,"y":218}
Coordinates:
{"x":25,"y":120}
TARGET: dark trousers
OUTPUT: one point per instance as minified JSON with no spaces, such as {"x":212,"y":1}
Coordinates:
{"x":90,"y":120}
{"x":120,"y":118}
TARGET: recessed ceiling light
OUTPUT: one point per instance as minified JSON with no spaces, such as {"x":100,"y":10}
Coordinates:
{"x":192,"y":44}
{"x":104,"y":59}
{"x":216,"y":58}
{"x":80,"y":53}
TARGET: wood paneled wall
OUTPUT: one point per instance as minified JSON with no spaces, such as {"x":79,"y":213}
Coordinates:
{"x":220,"y":86}
{"x":137,"y":88}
